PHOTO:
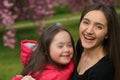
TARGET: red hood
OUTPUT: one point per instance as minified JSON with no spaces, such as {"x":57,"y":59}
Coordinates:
{"x":26,"y":50}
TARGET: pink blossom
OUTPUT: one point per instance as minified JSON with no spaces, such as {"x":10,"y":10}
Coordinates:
{"x":7,"y":4}
{"x":15,"y":16}
{"x":11,"y":33}
{"x":50,"y":6}
{"x":7,"y":21}
{"x":5,"y":38}
{"x":10,"y":42}
{"x":31,"y":1}
{"x":9,"y":39}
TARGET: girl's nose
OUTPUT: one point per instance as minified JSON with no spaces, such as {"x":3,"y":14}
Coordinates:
{"x":67,"y":49}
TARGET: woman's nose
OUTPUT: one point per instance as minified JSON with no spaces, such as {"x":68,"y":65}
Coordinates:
{"x":90,"y":30}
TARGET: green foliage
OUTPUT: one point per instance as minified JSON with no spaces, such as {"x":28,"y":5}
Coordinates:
{"x":61,"y":9}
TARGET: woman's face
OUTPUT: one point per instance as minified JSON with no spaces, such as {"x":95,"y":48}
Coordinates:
{"x":93,"y":29}
{"x":61,"y":48}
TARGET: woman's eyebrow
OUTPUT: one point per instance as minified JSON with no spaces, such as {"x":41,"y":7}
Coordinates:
{"x":97,"y":23}
{"x":86,"y":19}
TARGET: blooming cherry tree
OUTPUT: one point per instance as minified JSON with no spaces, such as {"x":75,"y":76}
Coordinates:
{"x":35,"y":10}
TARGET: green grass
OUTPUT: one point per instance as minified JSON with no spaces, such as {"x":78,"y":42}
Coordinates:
{"x":10,"y":63}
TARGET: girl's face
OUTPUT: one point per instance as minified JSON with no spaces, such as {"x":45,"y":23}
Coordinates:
{"x":61,"y":48}
{"x":93,"y":29}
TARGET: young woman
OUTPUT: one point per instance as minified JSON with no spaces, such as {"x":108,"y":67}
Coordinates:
{"x":98,"y":49}
{"x":51,"y":59}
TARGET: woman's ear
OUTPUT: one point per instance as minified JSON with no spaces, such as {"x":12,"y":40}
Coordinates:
{"x":106,"y":37}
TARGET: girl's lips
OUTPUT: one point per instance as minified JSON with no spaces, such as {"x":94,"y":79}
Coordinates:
{"x":66,"y":56}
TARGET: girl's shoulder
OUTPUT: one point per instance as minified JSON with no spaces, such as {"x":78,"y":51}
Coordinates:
{"x":53,"y":73}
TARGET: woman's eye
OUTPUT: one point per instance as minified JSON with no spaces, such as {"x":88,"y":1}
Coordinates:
{"x":85,"y":22}
{"x":99,"y":27}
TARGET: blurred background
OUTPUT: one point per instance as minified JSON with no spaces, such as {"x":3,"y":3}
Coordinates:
{"x":26,"y":19}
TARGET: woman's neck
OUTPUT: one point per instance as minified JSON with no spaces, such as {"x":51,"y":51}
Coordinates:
{"x":97,"y":52}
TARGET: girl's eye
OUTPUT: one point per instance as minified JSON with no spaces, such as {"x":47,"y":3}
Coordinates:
{"x":59,"y":46}
{"x":69,"y":45}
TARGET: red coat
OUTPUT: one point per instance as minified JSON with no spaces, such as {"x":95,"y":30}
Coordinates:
{"x":51,"y":72}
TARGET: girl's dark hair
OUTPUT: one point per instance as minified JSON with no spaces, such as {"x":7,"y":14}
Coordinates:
{"x":40,"y":57}
{"x":112,"y":44}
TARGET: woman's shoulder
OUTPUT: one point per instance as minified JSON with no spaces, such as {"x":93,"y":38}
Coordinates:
{"x":103,"y":70}
{"x":105,"y":64}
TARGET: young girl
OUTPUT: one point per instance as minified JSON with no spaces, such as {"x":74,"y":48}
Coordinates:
{"x":52,"y":58}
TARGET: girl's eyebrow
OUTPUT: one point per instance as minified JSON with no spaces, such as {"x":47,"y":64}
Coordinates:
{"x":63,"y":42}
